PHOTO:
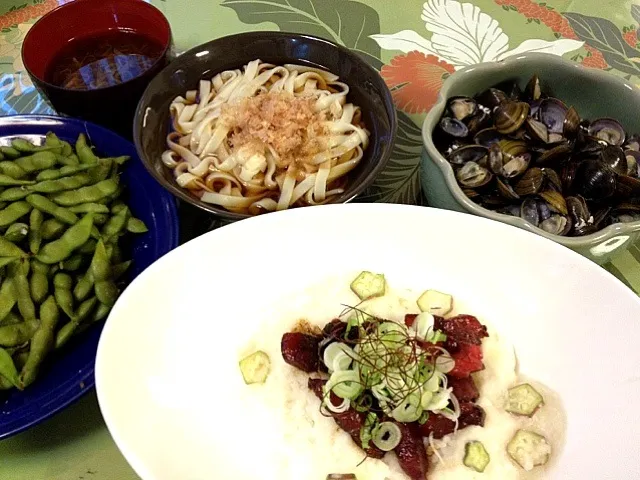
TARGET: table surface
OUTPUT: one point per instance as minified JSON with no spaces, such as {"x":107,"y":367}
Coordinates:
{"x":406,"y":44}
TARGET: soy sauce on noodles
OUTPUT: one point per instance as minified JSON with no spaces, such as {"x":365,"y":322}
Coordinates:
{"x":103,"y":60}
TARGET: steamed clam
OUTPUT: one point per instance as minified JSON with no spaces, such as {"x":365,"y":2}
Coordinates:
{"x":525,"y":153}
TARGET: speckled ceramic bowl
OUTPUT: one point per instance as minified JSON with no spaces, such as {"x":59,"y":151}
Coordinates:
{"x":592,"y":92}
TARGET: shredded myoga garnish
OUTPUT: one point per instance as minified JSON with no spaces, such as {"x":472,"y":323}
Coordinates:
{"x":265,"y":138}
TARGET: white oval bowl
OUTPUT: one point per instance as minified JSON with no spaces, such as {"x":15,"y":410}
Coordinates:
{"x":168,"y":352}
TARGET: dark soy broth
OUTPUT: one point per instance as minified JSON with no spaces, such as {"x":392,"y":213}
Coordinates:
{"x":103,"y":60}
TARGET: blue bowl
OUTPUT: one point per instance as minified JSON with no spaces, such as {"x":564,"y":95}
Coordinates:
{"x":70,"y":373}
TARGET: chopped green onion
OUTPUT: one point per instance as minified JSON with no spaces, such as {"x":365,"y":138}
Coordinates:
{"x":436,"y":336}
{"x":409,"y":410}
{"x":423,"y":325}
{"x":425,"y":401}
{"x":433,"y":384}
{"x":345,"y":384}
{"x":366,"y":431}
{"x":341,"y":408}
{"x":392,"y":334}
{"x":440,"y":399}
{"x":423,"y":418}
{"x":386,"y":436}
{"x":338,"y":356}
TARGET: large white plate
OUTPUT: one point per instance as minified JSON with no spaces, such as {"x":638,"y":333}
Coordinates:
{"x":167,"y":357}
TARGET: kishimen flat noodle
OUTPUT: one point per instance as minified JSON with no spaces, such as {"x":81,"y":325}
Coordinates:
{"x":265,"y":138}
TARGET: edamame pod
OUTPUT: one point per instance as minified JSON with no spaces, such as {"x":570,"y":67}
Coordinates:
{"x":135,"y":225}
{"x":16,"y":232}
{"x":8,"y":369}
{"x":42,"y":342}
{"x":52,"y":229}
{"x":89,"y":208}
{"x":38,"y":286}
{"x":62,"y":184}
{"x":13,"y":212}
{"x":8,"y":249}
{"x":62,"y":284}
{"x":91,"y":193}
{"x":37,"y":161}
{"x":14,"y":193}
{"x":7,"y":298}
{"x":47,"y":206}
{"x":84,"y":152}
{"x":66,"y":171}
{"x":35,"y":230}
{"x":72,"y":239}
{"x":12,"y":170}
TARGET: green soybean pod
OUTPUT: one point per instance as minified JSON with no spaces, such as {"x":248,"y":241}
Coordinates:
{"x":14,"y":193}
{"x":89,"y":208}
{"x":8,"y":369}
{"x":73,"y":263}
{"x":100,"y":267}
{"x":65,"y":333}
{"x":16,"y":232}
{"x":85,"y":154}
{"x":38,"y":286}
{"x":52,"y":140}
{"x":62,"y":284}
{"x":120,"y":269}
{"x":35,"y":230}
{"x":20,"y":359}
{"x":67,"y":149}
{"x":106,"y":292}
{"x":7,"y":181}
{"x":8,"y":249}
{"x":56,"y":173}
{"x":42,"y":342}
{"x":13,"y":212}
{"x":52,"y":229}
{"x":91,"y":193}
{"x":11,"y":319}
{"x":6,"y":261}
{"x":68,"y":160}
{"x":116,"y":224}
{"x":17,"y":334}
{"x":7,"y":298}
{"x":101,"y":312}
{"x":83,"y":286}
{"x":23,"y":145}
{"x":10,"y":169}
{"x":100,"y":218}
{"x":26,"y":307}
{"x":118,"y":206}
{"x":72,"y":239}
{"x":85,"y":309}
{"x":9,"y":152}
{"x":61,"y":184}
{"x":47,"y":206}
{"x":101,"y":171}
{"x":37,"y":161}
{"x":135,"y":225}
{"x":88,"y":247}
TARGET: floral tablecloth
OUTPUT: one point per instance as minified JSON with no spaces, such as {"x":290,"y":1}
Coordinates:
{"x":415,"y":46}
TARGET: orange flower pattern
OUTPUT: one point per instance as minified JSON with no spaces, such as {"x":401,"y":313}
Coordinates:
{"x":631,"y":37}
{"x":24,"y":14}
{"x":558,"y":24}
{"x":415,"y":80}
